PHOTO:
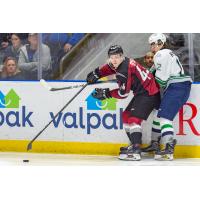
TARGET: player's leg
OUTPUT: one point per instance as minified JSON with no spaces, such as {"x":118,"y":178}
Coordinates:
{"x":138,"y":109}
{"x":144,"y":106}
{"x":174,"y":98}
{"x":133,"y":151}
{"x":168,"y":141}
{"x":132,"y":126}
{"x":127,"y":130}
{"x":125,"y":116}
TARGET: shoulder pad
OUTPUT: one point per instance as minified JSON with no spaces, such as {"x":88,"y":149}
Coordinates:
{"x":158,"y":55}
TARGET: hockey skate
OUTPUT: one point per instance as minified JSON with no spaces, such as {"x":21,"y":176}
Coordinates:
{"x":125,"y":149}
{"x":130,"y":153}
{"x":167,"y":153}
{"x":153,"y":147}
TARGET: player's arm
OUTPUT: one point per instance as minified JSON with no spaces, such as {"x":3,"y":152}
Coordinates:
{"x":119,"y":93}
{"x":98,"y":73}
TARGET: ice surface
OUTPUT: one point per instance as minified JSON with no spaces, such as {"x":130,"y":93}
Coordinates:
{"x":36,"y":159}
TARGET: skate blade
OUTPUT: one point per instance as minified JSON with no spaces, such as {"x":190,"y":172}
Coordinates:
{"x":147,"y":154}
{"x":129,"y":157}
{"x":166,"y":157}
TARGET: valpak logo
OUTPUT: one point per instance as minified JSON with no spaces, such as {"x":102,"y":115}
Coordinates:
{"x":19,"y":118}
{"x":10,"y":100}
{"x":95,"y":104}
{"x":96,"y":115}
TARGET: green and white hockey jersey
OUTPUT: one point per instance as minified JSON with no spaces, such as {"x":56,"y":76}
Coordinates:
{"x":168,"y":68}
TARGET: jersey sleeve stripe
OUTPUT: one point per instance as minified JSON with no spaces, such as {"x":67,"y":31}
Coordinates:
{"x":160,"y":82}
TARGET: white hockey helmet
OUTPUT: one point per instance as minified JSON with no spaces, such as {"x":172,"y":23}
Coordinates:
{"x":156,"y":37}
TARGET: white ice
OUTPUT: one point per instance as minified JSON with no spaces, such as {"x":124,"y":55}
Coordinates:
{"x":42,"y":159}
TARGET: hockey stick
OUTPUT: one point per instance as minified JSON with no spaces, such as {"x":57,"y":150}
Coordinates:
{"x":52,"y":89}
{"x":48,"y":87}
{"x":29,"y":147}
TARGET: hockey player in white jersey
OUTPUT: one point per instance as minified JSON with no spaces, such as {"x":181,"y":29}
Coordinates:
{"x":169,"y":74}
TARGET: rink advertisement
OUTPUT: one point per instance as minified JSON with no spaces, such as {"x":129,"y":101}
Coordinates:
{"x":86,"y":125}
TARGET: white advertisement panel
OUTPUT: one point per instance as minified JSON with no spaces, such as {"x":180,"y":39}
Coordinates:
{"x":26,"y":107}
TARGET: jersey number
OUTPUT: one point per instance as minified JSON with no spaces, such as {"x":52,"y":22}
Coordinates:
{"x":143,"y":74}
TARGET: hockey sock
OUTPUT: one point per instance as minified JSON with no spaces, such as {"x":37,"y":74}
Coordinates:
{"x":167,"y":130}
{"x":136,"y":134}
{"x":136,"y":138}
{"x":127,"y":130}
{"x":156,"y":129}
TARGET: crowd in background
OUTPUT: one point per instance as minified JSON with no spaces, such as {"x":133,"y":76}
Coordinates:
{"x":38,"y":55}
{"x":32,"y":54}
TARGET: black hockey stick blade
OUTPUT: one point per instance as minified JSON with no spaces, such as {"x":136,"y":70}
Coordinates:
{"x":29,"y":147}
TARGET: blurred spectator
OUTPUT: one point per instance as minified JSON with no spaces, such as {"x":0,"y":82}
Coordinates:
{"x":33,"y":56}
{"x":73,"y":39}
{"x":60,"y":44}
{"x":146,"y":61}
{"x":177,"y":44}
{"x":176,"y":40}
{"x":10,"y":70}
{"x":4,"y":42}
{"x":13,"y":50}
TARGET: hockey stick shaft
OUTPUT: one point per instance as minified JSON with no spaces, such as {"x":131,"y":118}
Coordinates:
{"x":66,"y":88}
{"x":29,"y":147}
{"x":52,"y":89}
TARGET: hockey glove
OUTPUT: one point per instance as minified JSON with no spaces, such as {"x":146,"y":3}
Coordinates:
{"x":93,"y":77}
{"x":101,"y":93}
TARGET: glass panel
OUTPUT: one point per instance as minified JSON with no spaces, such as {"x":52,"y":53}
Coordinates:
{"x":73,"y":55}
{"x":60,"y":44}
{"x":178,"y":43}
{"x":93,"y":52}
{"x":29,"y":57}
{"x":11,"y":44}
{"x":45,"y":60}
{"x":196,"y":44}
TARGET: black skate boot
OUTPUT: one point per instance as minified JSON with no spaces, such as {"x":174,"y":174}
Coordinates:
{"x":132,"y":152}
{"x":125,"y":149}
{"x":167,"y":153}
{"x":153,"y":147}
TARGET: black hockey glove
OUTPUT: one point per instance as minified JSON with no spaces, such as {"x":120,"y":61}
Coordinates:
{"x":93,"y":76}
{"x":101,"y":93}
